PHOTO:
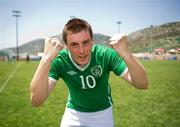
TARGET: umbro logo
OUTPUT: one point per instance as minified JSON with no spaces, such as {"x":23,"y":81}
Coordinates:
{"x":72,"y":72}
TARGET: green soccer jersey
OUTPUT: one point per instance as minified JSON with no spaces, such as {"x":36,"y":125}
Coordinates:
{"x":89,"y":90}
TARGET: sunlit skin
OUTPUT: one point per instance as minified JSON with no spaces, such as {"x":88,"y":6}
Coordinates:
{"x":80,"y":45}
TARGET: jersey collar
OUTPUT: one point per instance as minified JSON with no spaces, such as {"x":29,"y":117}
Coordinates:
{"x":76,"y":65}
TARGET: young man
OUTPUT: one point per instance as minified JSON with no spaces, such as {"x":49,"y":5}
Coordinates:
{"x":85,"y":69}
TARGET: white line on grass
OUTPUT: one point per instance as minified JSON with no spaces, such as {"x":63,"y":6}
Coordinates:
{"x":10,"y":76}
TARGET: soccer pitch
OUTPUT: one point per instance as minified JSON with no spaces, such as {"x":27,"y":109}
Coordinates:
{"x":159,"y":106}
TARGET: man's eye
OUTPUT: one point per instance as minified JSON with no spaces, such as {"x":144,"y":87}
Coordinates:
{"x":73,"y":44}
{"x":87,"y":42}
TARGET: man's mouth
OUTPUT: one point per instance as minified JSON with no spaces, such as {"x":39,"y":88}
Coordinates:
{"x":82,"y":60}
{"x":82,"y":57}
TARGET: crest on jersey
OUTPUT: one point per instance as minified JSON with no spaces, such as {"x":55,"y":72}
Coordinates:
{"x":96,"y":71}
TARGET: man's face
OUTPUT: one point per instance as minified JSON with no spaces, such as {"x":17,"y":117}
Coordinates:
{"x":80,"y":45}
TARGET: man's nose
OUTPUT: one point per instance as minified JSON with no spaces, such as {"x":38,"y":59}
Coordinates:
{"x":81,"y":49}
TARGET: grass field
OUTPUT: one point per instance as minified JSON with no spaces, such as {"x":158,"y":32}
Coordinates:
{"x":159,"y":106}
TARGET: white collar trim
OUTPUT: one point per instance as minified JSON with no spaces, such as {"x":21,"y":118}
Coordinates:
{"x":77,"y":66}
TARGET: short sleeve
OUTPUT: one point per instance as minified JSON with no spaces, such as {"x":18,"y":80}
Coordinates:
{"x":54,"y":72}
{"x":116,"y":63}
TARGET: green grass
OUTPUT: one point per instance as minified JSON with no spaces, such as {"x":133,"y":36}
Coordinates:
{"x":159,"y":106}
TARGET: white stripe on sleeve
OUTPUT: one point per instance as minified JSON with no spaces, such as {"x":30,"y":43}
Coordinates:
{"x":52,"y":79}
{"x":124,"y":72}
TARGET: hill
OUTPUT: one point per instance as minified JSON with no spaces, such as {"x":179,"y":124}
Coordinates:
{"x":166,"y":36}
{"x":145,"y":40}
{"x":37,"y":45}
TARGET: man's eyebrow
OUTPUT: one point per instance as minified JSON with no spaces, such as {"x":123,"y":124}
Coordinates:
{"x":88,"y":40}
{"x":83,"y":41}
{"x":73,"y":42}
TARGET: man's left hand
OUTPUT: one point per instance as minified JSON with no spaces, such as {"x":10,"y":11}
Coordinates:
{"x":119,"y":42}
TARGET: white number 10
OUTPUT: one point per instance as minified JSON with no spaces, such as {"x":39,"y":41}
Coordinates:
{"x":88,"y":78}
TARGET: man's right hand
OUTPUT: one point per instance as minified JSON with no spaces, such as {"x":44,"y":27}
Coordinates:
{"x":51,"y":48}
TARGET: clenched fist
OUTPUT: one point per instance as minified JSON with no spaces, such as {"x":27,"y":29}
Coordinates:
{"x":120,"y":43}
{"x":51,"y":48}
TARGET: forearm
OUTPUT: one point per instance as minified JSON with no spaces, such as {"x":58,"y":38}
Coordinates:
{"x":136,"y":71}
{"x":39,"y":83}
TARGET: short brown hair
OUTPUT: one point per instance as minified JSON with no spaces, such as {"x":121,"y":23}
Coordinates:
{"x":76,"y":25}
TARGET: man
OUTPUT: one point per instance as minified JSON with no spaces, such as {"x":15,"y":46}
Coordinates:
{"x":85,"y":69}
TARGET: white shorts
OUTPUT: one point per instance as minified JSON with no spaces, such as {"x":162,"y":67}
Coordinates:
{"x":73,"y":118}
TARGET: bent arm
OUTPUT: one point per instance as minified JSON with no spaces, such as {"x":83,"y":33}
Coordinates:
{"x":136,"y":74}
{"x":41,"y":85}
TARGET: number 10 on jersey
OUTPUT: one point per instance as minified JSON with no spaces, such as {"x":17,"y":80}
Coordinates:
{"x":88,"y":82}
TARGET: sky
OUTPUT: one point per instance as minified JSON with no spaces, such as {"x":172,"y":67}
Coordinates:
{"x":42,"y":18}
